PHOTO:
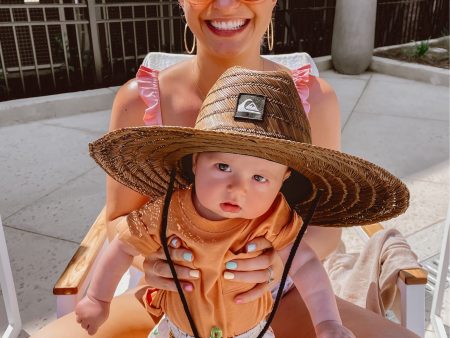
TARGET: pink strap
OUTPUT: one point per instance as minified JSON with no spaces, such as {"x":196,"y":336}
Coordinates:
{"x":149,"y":91}
{"x":301,"y":80}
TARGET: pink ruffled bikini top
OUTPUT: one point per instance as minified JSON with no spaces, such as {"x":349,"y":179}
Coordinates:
{"x":149,"y":91}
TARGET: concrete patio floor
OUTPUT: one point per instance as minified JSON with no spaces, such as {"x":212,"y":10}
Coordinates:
{"x":51,"y":190}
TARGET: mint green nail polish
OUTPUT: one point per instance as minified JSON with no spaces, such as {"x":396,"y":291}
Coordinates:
{"x":231,"y":265}
{"x":251,"y":247}
{"x":187,"y":256}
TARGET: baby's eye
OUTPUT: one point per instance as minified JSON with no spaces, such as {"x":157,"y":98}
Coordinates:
{"x":260,"y":178}
{"x":223,"y":167}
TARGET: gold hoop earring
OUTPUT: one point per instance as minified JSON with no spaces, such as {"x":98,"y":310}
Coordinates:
{"x":270,"y":36}
{"x":189,"y":51}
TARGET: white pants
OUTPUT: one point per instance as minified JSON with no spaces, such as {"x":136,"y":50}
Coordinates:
{"x":166,"y":329}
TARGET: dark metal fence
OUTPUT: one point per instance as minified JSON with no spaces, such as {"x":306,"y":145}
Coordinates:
{"x":305,"y":25}
{"x":57,"y":46}
{"x":128,"y":30}
{"x":401,"y":21}
{"x":44,"y":48}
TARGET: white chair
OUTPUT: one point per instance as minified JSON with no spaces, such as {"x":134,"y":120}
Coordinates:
{"x":9,"y":291}
{"x":442,"y":272}
{"x":73,"y":283}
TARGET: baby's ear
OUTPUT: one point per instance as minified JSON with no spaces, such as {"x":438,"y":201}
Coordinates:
{"x":287,"y":174}
{"x":194,"y":162}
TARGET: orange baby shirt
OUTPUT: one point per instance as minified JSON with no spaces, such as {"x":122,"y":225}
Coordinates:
{"x":213,"y":243}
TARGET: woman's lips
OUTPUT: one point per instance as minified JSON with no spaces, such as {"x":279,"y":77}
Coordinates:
{"x":222,"y":29}
{"x":230,"y":207}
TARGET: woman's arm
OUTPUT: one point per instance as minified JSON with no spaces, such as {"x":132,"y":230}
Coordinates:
{"x":324,"y":118}
{"x":127,"y":111}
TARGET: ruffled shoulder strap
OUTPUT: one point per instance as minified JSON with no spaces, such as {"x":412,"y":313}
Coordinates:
{"x":302,"y":67}
{"x":301,"y":79}
{"x":148,"y":85}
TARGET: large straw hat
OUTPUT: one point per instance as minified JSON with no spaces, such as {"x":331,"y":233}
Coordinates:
{"x":258,"y":114}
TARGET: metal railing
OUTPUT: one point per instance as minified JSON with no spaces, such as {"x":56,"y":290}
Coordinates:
{"x":53,"y":46}
{"x":43,"y":47}
{"x":127,"y":31}
{"x":61,"y":45}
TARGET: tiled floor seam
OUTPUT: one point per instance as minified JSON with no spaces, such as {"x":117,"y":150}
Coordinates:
{"x":88,"y":131}
{"x":428,"y":226}
{"x":5,"y":219}
{"x":357,"y":102}
{"x":402,"y":116}
{"x":18,"y":228}
{"x":412,"y":178}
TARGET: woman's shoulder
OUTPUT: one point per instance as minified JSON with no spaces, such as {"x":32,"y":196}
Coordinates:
{"x":141,"y":95}
{"x":324,"y":115}
{"x":180,"y":102}
{"x":128,"y":107}
{"x":321,"y":91}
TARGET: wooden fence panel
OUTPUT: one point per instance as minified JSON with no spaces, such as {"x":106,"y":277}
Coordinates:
{"x":401,"y":21}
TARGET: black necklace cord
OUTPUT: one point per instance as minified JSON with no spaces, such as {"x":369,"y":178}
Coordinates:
{"x":289,"y":261}
{"x":165,"y":246}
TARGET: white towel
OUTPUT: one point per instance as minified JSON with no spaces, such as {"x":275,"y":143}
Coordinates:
{"x":369,"y":278}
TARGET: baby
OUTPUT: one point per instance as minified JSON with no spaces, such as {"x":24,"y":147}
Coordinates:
{"x":251,"y":136}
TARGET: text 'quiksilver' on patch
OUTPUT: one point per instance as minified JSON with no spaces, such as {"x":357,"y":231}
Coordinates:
{"x":250,"y":107}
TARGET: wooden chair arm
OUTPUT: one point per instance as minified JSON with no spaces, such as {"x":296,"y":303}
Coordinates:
{"x":77,"y":270}
{"x":372,"y":229}
{"x":416,"y":276}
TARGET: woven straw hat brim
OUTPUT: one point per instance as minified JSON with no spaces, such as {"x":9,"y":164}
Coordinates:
{"x":356,"y":192}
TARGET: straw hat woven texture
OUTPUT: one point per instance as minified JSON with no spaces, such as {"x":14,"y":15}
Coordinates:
{"x":257,"y":114}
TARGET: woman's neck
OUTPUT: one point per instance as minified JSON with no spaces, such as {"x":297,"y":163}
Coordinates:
{"x":207,"y":68}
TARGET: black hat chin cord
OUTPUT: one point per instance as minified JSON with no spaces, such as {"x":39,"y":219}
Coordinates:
{"x":287,"y":266}
{"x":165,"y":246}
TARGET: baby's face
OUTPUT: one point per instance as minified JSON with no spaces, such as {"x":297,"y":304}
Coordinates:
{"x":235,"y":186}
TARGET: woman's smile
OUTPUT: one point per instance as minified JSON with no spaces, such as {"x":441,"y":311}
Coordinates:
{"x":227,"y":27}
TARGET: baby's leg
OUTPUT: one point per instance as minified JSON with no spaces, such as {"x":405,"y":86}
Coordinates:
{"x":127,"y":318}
{"x":293,"y":320}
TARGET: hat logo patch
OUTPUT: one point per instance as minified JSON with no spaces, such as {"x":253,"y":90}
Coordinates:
{"x":250,"y":107}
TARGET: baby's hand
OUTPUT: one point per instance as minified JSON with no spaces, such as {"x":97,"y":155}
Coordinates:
{"x":333,"y":329}
{"x":91,"y":313}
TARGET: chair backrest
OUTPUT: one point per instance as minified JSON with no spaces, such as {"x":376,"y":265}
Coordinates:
{"x":159,"y":61}
{"x":9,"y":291}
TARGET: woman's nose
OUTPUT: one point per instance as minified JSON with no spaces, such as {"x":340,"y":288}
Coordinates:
{"x":226,"y":4}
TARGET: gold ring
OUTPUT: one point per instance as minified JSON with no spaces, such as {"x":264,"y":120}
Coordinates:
{"x":270,"y":279}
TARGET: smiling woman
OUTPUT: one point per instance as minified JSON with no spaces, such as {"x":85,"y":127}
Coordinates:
{"x":228,"y":33}
{"x":228,"y":28}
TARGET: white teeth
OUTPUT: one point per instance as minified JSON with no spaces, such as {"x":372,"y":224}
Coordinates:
{"x":228,"y":25}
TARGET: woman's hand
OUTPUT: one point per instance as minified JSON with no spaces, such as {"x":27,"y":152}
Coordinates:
{"x":157,"y":270}
{"x":333,"y":329}
{"x":259,"y":270}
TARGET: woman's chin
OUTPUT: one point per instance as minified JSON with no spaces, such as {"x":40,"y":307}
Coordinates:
{"x":228,"y":49}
